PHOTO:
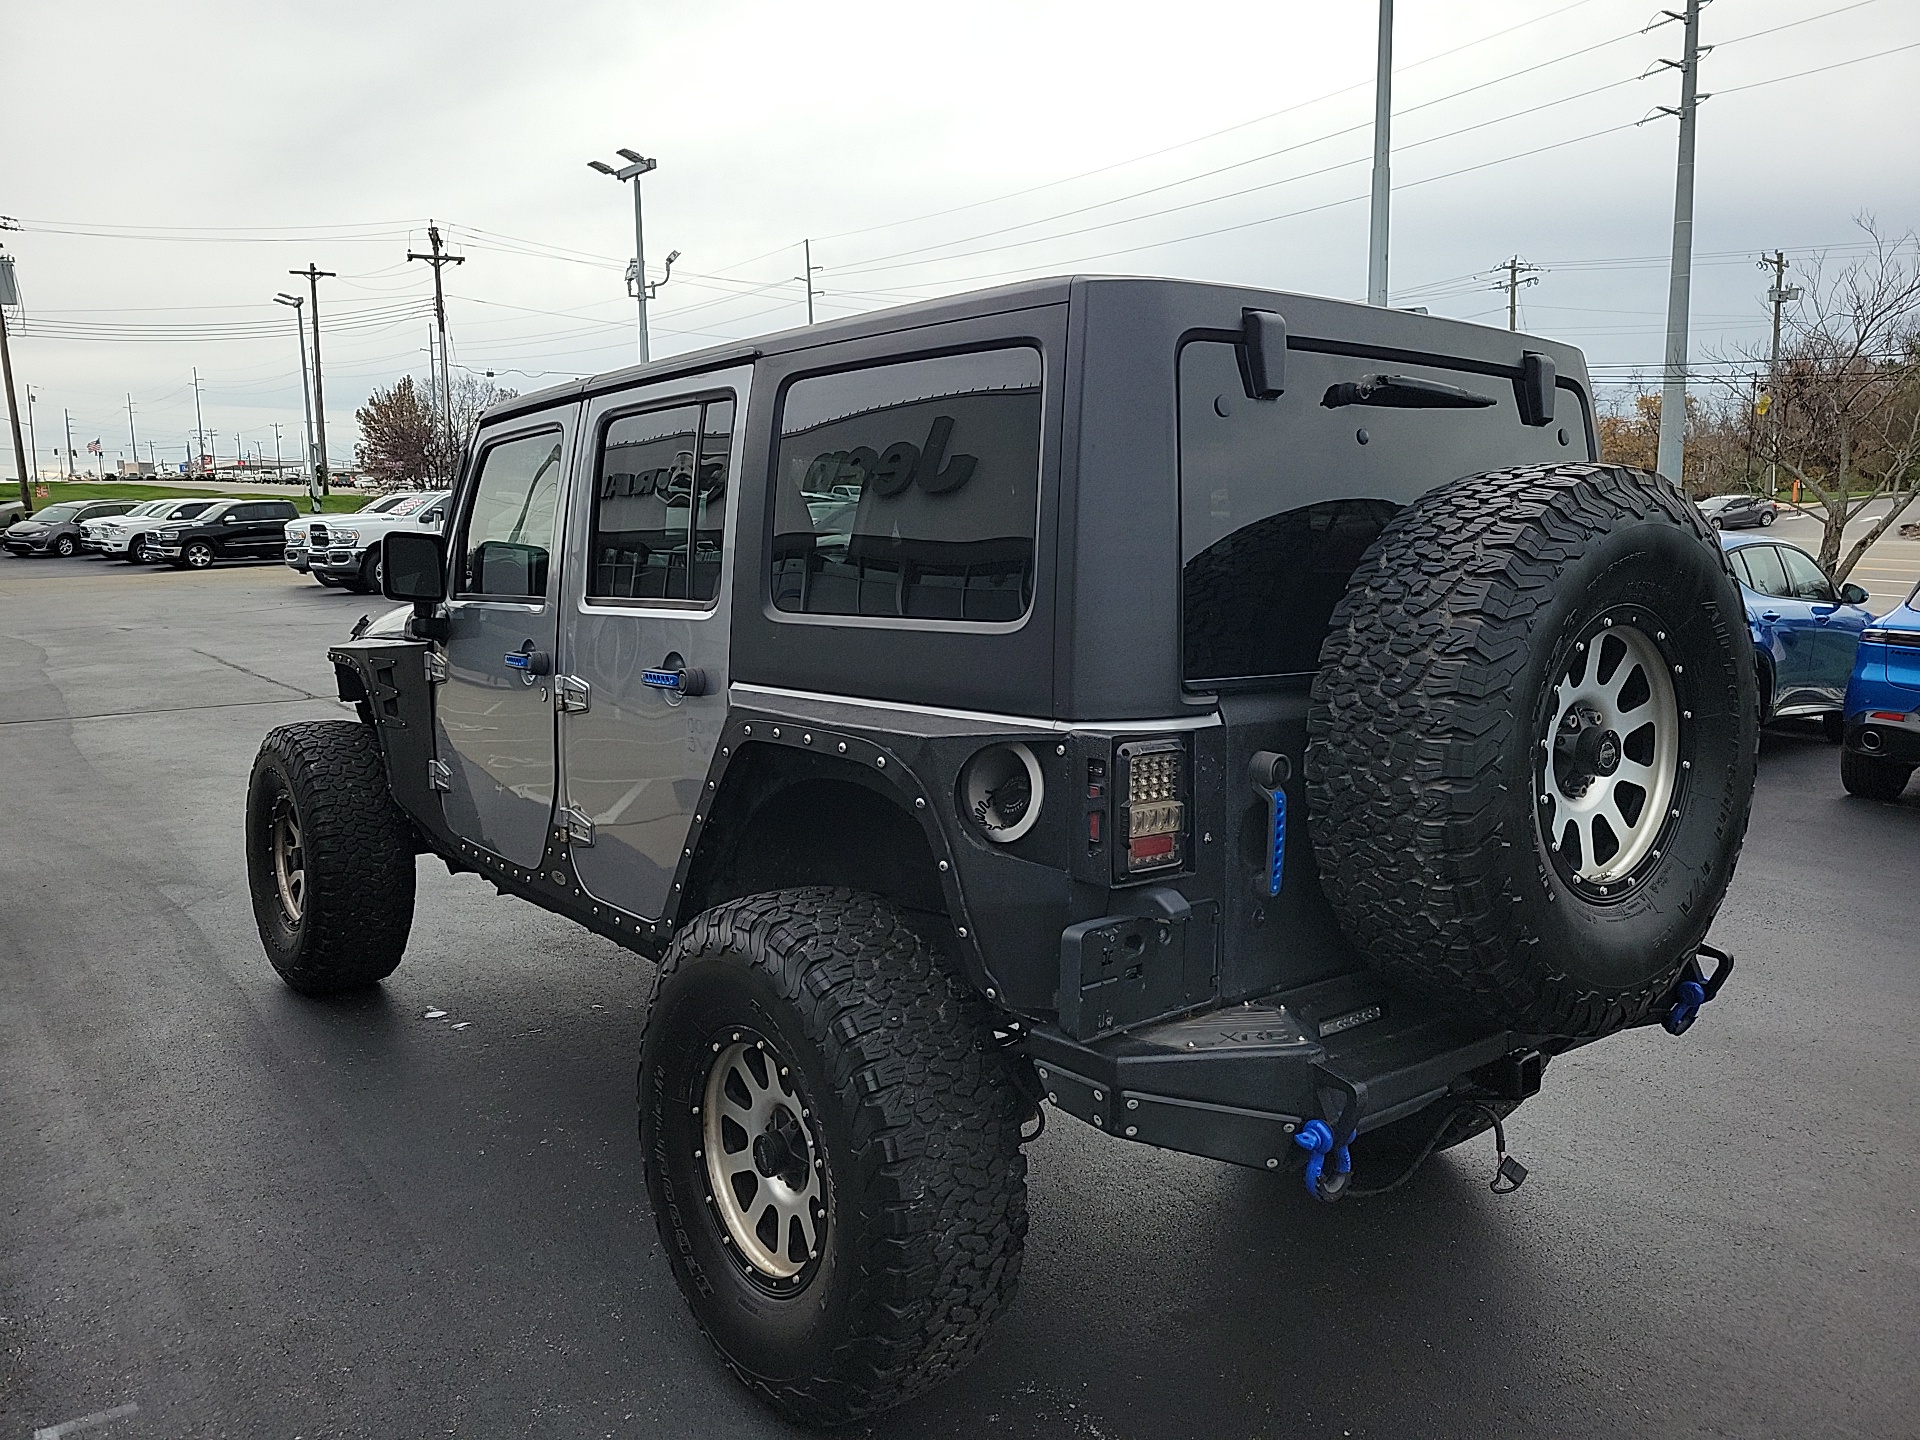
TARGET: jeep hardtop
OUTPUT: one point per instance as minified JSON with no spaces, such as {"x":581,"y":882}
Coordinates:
{"x":1252,"y":724}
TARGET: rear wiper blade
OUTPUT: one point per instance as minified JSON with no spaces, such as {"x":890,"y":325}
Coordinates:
{"x":1403,"y":392}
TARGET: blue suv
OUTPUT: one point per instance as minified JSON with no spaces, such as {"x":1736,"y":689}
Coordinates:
{"x":1882,"y":744}
{"x":1805,"y":631}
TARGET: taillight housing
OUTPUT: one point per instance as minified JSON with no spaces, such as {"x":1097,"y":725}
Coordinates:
{"x":1152,"y":810}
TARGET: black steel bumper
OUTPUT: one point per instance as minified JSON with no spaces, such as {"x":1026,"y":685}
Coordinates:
{"x":1237,"y":1084}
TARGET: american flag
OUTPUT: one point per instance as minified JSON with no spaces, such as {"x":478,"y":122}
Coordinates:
{"x":93,"y":447}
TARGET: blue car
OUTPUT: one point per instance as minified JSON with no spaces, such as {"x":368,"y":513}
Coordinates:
{"x":1805,"y":631}
{"x":1882,"y":744}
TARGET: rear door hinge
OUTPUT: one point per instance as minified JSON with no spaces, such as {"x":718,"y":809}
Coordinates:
{"x":579,"y":828}
{"x":572,"y":693}
{"x":436,"y":668}
{"x":439,"y":775}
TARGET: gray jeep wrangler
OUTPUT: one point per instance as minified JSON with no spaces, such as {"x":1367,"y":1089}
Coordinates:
{"x":1251,"y":724}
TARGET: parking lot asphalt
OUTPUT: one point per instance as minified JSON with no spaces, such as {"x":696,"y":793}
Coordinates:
{"x":420,"y":1211}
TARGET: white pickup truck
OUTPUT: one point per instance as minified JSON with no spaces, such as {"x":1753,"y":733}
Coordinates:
{"x":126,"y":535}
{"x":344,"y":550}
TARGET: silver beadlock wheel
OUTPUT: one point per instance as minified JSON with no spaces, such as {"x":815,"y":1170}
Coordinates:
{"x":763,"y":1158}
{"x":289,"y":861}
{"x":1611,"y":757}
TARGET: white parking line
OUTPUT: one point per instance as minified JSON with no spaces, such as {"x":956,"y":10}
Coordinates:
{"x":86,"y":1422}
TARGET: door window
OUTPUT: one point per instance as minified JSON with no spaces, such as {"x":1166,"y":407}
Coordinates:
{"x":1805,"y":579}
{"x":659,"y":504}
{"x":911,"y":489}
{"x":510,"y":527}
{"x":1764,"y":571}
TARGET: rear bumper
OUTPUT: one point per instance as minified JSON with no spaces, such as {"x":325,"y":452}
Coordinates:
{"x":1237,"y":1084}
{"x":1898,"y":741}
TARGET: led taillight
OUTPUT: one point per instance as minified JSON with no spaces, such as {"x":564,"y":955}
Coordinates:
{"x":1153,"y":808}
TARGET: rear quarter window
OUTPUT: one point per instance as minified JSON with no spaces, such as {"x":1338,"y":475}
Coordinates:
{"x":1279,"y":499}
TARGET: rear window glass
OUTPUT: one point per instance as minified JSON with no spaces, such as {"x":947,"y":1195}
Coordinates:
{"x":659,"y":504}
{"x":1279,"y":499}
{"x":911,"y":490}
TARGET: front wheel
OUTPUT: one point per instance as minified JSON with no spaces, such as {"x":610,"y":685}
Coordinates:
{"x":329,"y":857}
{"x":832,"y":1145}
{"x":137,"y":550}
{"x":65,"y":547}
{"x":197,"y":556}
{"x":1873,"y":778}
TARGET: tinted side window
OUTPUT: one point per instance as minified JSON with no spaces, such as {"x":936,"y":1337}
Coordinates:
{"x":1805,"y":579}
{"x":511,"y":525}
{"x":911,"y":489}
{"x":659,"y":504}
{"x":1764,"y":572}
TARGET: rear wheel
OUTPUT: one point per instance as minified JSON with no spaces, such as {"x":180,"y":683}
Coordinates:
{"x":1766,"y":517}
{"x":1532,"y":742}
{"x":1873,"y":778}
{"x":329,"y":857}
{"x":832,"y":1147}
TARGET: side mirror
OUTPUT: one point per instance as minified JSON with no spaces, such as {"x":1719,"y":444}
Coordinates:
{"x":1851,"y":594}
{"x":413,"y":566}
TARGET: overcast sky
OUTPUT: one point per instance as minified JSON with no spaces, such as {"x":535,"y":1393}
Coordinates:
{"x":168,"y":164}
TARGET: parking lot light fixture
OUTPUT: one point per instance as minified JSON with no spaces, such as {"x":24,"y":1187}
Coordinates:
{"x":637,"y":166}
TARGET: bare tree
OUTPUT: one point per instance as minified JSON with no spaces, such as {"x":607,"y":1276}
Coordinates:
{"x":1845,"y":416}
{"x":397,"y":429}
{"x":472,"y":395}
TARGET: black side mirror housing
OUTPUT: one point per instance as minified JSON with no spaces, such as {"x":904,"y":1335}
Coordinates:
{"x":1851,"y":594}
{"x":413,"y":566}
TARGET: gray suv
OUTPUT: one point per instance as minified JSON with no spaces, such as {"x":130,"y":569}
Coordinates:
{"x":1250,"y":724}
{"x":55,"y":530}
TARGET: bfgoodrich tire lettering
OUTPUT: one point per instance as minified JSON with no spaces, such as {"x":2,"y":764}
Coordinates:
{"x":914,"y":1111}
{"x":330,"y":857}
{"x":1436,"y":809}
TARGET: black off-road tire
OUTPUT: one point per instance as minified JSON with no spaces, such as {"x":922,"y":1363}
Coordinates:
{"x":1428,"y":737}
{"x":1872,"y":777}
{"x":357,"y":861}
{"x":915,"y":1112}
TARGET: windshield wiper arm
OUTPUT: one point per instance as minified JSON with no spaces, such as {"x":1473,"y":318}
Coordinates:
{"x":1403,"y":392}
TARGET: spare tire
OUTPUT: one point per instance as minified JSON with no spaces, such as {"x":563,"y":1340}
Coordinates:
{"x":1531,"y":745}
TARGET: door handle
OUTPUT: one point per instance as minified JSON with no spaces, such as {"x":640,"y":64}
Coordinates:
{"x":529,"y":662}
{"x":675,"y":679}
{"x":1769,"y":614}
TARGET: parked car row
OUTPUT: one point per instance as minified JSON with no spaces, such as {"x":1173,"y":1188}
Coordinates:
{"x":345,"y":550}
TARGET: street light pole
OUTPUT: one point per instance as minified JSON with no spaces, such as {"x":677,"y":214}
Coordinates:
{"x":1673,"y":392}
{"x":314,"y":276}
{"x":10,"y":295}
{"x":1382,"y":146}
{"x":637,"y":166}
{"x":306,"y":395}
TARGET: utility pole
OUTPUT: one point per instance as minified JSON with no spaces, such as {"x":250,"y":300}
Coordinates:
{"x":33,"y":440}
{"x":1673,"y":392}
{"x":10,"y":295}
{"x":1519,"y":273}
{"x":278,"y":473}
{"x":314,"y":276}
{"x":67,"y":468}
{"x":637,"y":166}
{"x":1778,"y":294}
{"x":306,"y":395}
{"x":437,"y":259}
{"x":1382,"y":145}
{"x":806,"y":277}
{"x":199,"y":427}
{"x":133,"y":440}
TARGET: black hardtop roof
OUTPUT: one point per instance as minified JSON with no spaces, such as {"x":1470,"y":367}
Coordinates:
{"x":1306,"y":315}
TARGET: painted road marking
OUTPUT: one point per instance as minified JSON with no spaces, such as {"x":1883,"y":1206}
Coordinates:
{"x":86,"y":1422}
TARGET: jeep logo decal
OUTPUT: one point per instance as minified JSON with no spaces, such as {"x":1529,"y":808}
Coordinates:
{"x":902,"y":463}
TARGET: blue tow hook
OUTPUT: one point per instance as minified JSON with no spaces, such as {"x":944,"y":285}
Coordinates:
{"x":1316,"y":1138}
{"x":1695,"y":988}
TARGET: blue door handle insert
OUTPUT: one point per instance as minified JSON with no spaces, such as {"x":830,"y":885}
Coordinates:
{"x":529,"y":662}
{"x":676,"y":682}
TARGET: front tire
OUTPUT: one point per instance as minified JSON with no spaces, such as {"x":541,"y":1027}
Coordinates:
{"x":137,"y":550}
{"x":329,"y":857}
{"x":197,"y":556}
{"x":65,"y":547}
{"x":851,"y":1223}
{"x":1873,"y":778}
